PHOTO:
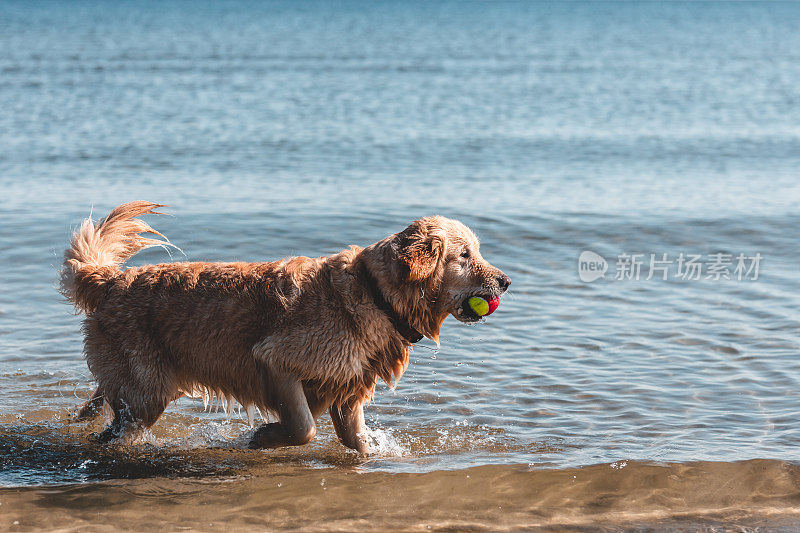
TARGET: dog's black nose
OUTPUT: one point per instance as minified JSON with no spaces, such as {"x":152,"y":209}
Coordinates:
{"x":504,"y":281}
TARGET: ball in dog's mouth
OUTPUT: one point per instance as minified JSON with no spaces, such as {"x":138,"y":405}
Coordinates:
{"x":475,"y":307}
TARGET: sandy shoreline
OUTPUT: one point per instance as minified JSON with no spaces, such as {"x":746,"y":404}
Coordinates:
{"x":503,"y":497}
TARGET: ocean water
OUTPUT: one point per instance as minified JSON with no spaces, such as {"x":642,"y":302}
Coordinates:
{"x":278,"y":129}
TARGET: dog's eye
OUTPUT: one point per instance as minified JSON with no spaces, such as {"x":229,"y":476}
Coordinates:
{"x":465,"y":253}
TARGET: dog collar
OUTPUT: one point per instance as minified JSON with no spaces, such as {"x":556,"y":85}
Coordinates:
{"x":401,"y":324}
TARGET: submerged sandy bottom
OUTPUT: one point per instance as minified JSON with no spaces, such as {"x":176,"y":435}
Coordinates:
{"x":57,"y":479}
{"x":730,"y":495}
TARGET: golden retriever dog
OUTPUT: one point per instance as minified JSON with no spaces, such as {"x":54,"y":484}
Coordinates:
{"x":292,"y":337}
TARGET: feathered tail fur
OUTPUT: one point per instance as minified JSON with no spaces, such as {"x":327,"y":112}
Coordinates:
{"x":99,"y":249}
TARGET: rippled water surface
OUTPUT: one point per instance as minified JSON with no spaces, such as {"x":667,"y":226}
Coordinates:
{"x":550,"y":128}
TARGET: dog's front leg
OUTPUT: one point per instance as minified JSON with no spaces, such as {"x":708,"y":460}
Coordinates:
{"x":90,"y":408}
{"x":348,"y":420}
{"x":296,"y":427}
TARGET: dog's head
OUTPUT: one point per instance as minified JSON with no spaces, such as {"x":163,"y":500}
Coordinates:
{"x":437,"y":268}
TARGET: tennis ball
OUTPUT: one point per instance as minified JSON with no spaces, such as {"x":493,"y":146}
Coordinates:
{"x":479,"y":305}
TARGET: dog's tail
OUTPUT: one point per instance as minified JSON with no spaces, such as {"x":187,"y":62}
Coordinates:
{"x":97,"y":251}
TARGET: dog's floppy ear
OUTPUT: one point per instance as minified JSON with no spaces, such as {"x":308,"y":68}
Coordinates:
{"x":420,"y":247}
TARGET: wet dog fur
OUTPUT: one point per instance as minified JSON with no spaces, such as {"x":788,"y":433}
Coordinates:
{"x":293,"y":337}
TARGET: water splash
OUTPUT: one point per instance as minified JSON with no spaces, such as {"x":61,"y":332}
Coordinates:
{"x":211,"y":435}
{"x":386,"y":444}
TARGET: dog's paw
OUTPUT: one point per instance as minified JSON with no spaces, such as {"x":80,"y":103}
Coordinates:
{"x":104,"y":437}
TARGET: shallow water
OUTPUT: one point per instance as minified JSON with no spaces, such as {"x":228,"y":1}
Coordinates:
{"x":549,"y":128}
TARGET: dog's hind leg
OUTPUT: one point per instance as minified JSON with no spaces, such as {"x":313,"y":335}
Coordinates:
{"x":348,"y":421}
{"x":132,"y":418}
{"x":123,"y":423}
{"x":296,"y":427}
{"x":90,"y":408}
{"x":136,"y":403}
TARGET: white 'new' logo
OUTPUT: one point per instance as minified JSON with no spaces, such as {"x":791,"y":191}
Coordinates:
{"x":591,"y":266}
